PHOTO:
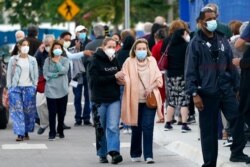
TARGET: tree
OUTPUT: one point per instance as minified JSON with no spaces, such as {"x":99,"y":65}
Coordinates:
{"x":33,"y":11}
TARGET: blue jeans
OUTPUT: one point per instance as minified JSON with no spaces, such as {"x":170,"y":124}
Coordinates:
{"x":85,"y":113}
{"x":109,"y":117}
{"x":146,"y":117}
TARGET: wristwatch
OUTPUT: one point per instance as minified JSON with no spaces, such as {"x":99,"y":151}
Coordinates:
{"x":194,"y":94}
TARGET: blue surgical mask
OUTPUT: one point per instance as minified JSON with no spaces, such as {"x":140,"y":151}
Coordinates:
{"x":82,"y":35}
{"x":141,"y":54}
{"x":57,"y":52}
{"x":211,"y":25}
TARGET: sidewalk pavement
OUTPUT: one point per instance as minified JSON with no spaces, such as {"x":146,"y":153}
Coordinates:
{"x":188,"y":145}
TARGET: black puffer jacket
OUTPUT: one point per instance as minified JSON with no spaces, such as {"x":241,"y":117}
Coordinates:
{"x":123,"y":53}
{"x":101,"y":76}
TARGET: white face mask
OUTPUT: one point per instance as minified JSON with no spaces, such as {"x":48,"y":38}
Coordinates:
{"x":187,"y":38}
{"x":47,"y":48}
{"x":66,"y":44}
{"x":110,"y":53}
{"x":25,"y":49}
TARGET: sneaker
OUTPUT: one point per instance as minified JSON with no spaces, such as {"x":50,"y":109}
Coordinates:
{"x":150,"y":161}
{"x":179,"y":123}
{"x":191,"y":119}
{"x":19,"y":138}
{"x":240,"y":158}
{"x":173,"y":121}
{"x":78,"y":124}
{"x":66,"y":127}
{"x":26,"y":136}
{"x":136,"y":159}
{"x":103,"y":160}
{"x":228,"y":143}
{"x":168,"y":126}
{"x":116,"y":157}
{"x":61,"y":136}
{"x":41,"y":130}
{"x":185,"y":129}
{"x":52,"y":138}
{"x":87,"y":123}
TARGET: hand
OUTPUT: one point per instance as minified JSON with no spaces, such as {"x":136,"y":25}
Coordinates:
{"x":77,"y":45}
{"x":120,"y":75}
{"x":88,"y":53}
{"x":148,"y":91}
{"x":236,"y":62}
{"x":120,"y":82}
{"x":41,"y":48}
{"x":198,"y":102}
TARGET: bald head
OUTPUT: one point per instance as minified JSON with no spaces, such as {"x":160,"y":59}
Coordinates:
{"x":19,"y":35}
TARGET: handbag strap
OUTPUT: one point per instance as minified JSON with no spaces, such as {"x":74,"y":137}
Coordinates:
{"x":166,"y":50}
{"x":141,"y":81}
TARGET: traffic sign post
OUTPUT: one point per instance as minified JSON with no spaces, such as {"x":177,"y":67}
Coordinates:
{"x":68,"y":9}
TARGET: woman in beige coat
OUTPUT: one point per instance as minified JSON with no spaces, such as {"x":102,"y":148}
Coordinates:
{"x":142,"y":76}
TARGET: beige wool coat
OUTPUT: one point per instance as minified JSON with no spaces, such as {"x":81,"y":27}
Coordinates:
{"x":130,"y":98}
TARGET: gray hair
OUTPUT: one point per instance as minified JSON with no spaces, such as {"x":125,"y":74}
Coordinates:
{"x":215,"y":7}
{"x":98,"y":30}
{"x":20,"y":32}
{"x":148,"y":27}
{"x":48,"y":37}
{"x":243,"y":26}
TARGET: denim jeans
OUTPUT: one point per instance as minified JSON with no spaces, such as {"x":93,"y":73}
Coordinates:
{"x":85,"y":113}
{"x":145,"y":128}
{"x":109,"y":117}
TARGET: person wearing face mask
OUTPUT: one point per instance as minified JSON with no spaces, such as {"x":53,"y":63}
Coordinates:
{"x":213,"y":82}
{"x":19,"y":36}
{"x":142,"y":77}
{"x":22,"y":77}
{"x":41,"y":54}
{"x":78,"y":74}
{"x":104,"y":75}
{"x":55,"y":71}
{"x":177,"y":44}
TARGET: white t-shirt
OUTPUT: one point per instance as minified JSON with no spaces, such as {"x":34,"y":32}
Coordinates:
{"x":25,"y":73}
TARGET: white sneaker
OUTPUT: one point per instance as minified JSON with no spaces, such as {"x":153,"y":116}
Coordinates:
{"x":150,"y":161}
{"x":136,"y":159}
{"x":125,"y":131}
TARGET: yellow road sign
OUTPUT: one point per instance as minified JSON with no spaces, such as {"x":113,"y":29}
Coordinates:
{"x":68,"y":9}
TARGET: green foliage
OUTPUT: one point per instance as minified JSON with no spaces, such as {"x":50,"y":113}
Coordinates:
{"x":35,"y":11}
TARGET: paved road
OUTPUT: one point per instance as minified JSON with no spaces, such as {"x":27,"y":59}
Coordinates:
{"x":76,"y":150}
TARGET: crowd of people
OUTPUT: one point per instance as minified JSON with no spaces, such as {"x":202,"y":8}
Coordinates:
{"x":116,"y":73}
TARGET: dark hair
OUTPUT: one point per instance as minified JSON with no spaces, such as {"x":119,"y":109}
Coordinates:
{"x":32,"y":31}
{"x":155,"y":28}
{"x":161,"y":33}
{"x":117,"y":35}
{"x":52,"y":47}
{"x":63,"y":34}
{"x":203,"y":12}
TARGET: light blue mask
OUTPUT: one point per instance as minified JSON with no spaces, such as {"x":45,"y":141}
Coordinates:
{"x":57,"y":52}
{"x":211,"y":25}
{"x":141,"y":54}
{"x":82,"y":35}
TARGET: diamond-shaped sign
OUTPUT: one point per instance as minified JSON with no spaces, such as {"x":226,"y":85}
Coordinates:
{"x":68,"y":9}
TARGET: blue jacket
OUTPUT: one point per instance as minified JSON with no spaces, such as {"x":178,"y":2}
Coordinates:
{"x":205,"y":75}
{"x":13,"y":73}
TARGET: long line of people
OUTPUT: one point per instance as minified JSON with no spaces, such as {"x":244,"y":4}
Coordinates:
{"x":118,"y":73}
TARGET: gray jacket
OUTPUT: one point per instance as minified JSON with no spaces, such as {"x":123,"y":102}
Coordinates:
{"x":56,"y":78}
{"x":14,"y":71}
